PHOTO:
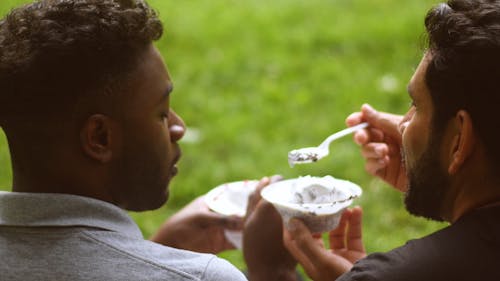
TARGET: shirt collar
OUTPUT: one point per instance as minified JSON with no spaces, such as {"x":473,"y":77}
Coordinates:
{"x":63,"y":210}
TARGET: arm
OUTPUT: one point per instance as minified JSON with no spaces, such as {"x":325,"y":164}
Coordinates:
{"x":327,"y":264}
{"x":380,"y":145}
{"x":196,"y":228}
{"x":263,"y":249}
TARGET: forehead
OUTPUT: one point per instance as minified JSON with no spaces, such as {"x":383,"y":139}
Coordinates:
{"x":150,"y":81}
{"x":418,"y":87}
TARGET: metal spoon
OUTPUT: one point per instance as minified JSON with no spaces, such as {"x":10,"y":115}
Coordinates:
{"x":313,"y":154}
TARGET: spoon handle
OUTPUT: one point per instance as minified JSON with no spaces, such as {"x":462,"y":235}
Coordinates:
{"x":339,"y":134}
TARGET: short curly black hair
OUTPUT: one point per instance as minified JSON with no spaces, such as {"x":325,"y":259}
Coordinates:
{"x":54,"y":51}
{"x":464,"y":68}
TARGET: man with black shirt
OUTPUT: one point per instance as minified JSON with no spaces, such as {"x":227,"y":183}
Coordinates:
{"x":444,"y":154}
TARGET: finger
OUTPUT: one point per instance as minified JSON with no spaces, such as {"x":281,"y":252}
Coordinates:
{"x":365,"y":136}
{"x":255,"y":197}
{"x":386,"y":122}
{"x":297,"y":253}
{"x":376,"y":135}
{"x":374,"y":150}
{"x":354,"y":119}
{"x":376,"y":166}
{"x":361,"y":137}
{"x":337,"y":236}
{"x":265,"y":181}
{"x":354,"y":231}
{"x":316,"y":235}
{"x":275,"y":178}
{"x":308,"y":251}
{"x":211,"y":219}
{"x":304,"y":240}
{"x":233,"y":223}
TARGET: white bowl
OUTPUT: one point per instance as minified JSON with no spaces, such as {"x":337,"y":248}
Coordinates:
{"x":317,"y":201}
{"x":231,"y":199}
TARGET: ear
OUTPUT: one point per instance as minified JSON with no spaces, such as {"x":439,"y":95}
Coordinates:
{"x":463,"y":141}
{"x":96,"y":138}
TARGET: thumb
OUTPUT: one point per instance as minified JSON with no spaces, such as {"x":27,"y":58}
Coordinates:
{"x":298,"y":230}
{"x":254,"y":197}
{"x":305,"y":243}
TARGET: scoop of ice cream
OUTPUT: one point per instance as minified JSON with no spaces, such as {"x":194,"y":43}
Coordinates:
{"x":317,"y":201}
{"x":308,"y":190}
{"x":306,"y":155}
{"x":316,"y":194}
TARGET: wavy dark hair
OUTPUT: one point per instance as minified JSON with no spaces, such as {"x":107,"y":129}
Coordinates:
{"x":464,"y":71}
{"x":54,"y":52}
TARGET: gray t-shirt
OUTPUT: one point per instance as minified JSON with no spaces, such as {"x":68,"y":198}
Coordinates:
{"x":68,"y":237}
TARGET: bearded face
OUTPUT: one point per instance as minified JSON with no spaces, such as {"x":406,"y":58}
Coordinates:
{"x":428,"y":183}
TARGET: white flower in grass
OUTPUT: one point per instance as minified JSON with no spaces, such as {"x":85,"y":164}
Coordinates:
{"x":388,"y":83}
{"x":192,"y":135}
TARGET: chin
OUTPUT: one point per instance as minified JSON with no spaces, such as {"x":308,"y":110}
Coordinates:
{"x":157,"y":201}
{"x":147,"y":203}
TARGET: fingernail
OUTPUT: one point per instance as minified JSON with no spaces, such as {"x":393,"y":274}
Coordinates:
{"x":368,"y":110}
{"x":276,"y":178}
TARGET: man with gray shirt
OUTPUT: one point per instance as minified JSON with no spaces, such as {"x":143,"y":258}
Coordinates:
{"x":85,"y":105}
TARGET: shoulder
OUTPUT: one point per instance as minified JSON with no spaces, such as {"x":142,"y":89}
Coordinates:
{"x":220,"y":269}
{"x":174,"y":263}
{"x":448,"y":254}
{"x":408,"y":262}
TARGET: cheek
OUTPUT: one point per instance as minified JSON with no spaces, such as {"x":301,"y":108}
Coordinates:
{"x":414,"y":140}
{"x":151,"y":143}
{"x":162,"y":144}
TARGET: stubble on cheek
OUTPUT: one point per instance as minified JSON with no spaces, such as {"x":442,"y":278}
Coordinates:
{"x":403,"y":157}
{"x":404,"y":166}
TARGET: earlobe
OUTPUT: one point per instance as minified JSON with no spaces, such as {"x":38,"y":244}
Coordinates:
{"x":463,"y":141}
{"x":96,"y":138}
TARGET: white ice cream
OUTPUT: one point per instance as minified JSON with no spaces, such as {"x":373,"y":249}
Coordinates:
{"x":317,"y":201}
{"x":316,"y":194}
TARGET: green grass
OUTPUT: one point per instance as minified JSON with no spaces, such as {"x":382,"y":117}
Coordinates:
{"x":258,"y":78}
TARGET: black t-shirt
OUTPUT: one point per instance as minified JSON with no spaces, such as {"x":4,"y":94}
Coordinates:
{"x":467,"y":250}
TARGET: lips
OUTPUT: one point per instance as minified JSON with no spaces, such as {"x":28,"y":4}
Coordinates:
{"x":174,"y":171}
{"x":177,"y":157}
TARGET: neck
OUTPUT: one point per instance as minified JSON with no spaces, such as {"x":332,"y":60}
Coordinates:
{"x":472,"y":196}
{"x":61,"y":173}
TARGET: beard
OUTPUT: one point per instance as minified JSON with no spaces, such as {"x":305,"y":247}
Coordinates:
{"x":140,"y":177}
{"x":143,"y":185}
{"x":428,"y":184}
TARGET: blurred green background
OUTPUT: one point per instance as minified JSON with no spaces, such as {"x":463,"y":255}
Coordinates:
{"x":257,"y":78}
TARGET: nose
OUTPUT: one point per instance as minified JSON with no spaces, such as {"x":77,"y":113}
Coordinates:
{"x":176,"y":126}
